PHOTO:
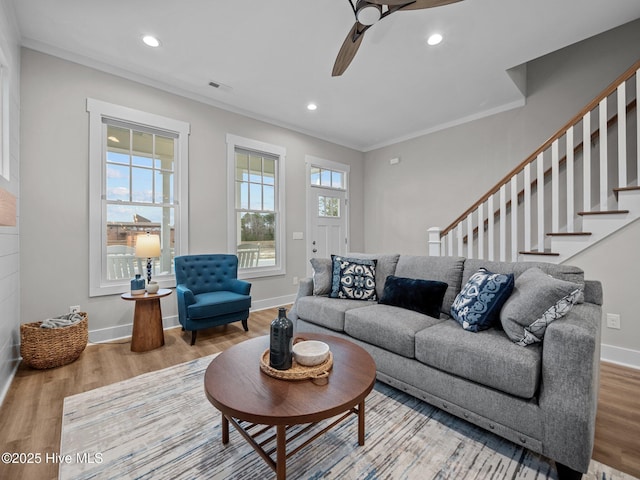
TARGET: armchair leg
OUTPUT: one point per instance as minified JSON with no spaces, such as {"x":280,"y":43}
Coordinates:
{"x":193,"y":336}
{"x":244,"y":325}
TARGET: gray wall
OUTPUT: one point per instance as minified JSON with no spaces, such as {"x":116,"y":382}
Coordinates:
{"x":55,"y":176}
{"x":10,"y":236}
{"x":442,"y":174}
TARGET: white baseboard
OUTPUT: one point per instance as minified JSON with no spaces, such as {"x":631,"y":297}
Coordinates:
{"x":118,"y":332}
{"x":621,"y":356}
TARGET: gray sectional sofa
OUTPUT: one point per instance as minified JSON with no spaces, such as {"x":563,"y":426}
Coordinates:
{"x":542,"y":396}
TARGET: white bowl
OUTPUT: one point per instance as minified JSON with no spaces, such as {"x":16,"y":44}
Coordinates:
{"x":310,"y":352}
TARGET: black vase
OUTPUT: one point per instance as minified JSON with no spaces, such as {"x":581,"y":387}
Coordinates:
{"x":281,"y":342}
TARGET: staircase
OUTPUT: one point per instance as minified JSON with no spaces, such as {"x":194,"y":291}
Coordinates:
{"x":577,"y":188}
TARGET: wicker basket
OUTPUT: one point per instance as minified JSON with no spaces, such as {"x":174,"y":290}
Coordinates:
{"x":53,"y":347}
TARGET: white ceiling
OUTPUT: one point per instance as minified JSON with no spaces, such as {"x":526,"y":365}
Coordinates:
{"x":276,"y":56}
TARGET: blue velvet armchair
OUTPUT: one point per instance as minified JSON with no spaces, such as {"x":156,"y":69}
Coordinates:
{"x":209,"y":292}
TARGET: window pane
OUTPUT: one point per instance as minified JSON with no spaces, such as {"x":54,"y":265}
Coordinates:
{"x":325,"y":178}
{"x":242,"y":166}
{"x":255,"y":196}
{"x":163,"y":187}
{"x":164,"y":153}
{"x":142,"y":151}
{"x":257,"y":240}
{"x":242,"y":195}
{"x":337,"y":179}
{"x":117,"y":183}
{"x":118,"y":138}
{"x":255,"y":165}
{"x":315,"y":176}
{"x":269,"y":173}
{"x":328,"y":206}
{"x":141,"y":185}
{"x":269,"y":198}
{"x":124,"y":224}
{"x":114,"y":157}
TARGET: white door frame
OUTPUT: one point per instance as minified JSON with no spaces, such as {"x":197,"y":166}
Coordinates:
{"x":310,"y":161}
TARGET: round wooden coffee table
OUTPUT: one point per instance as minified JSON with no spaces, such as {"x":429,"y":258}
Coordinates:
{"x":250,"y":399}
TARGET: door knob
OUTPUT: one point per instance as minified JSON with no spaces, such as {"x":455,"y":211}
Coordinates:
{"x":315,"y":250}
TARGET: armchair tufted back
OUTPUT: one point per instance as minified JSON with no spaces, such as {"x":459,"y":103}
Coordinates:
{"x":206,"y":273}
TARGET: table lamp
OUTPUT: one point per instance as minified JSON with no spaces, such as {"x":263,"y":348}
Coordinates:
{"x":148,"y":246}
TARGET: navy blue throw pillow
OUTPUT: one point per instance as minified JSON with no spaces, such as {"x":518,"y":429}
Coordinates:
{"x":353,"y":278}
{"x":423,"y":296}
{"x":477,"y":306}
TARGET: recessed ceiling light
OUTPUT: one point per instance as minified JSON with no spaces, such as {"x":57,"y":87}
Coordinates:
{"x":312,"y":106}
{"x":434,"y":39}
{"x":151,"y":41}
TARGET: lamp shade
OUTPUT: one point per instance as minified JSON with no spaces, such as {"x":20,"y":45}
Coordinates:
{"x":147,"y":246}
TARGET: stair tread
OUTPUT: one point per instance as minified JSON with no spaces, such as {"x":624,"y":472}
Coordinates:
{"x":626,"y":189}
{"x":535,"y":252}
{"x":569,"y":234}
{"x":603,"y":212}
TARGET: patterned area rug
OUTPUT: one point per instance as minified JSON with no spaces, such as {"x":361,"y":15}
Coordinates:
{"x":161,"y":426}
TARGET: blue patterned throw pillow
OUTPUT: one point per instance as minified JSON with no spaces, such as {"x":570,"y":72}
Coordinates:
{"x":477,"y":306}
{"x":353,"y":278}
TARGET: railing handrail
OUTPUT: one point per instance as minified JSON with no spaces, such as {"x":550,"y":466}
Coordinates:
{"x":589,"y":107}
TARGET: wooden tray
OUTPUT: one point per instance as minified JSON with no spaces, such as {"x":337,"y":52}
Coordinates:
{"x":318,"y":374}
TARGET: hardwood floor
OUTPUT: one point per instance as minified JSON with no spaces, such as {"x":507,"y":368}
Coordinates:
{"x":31,"y":415}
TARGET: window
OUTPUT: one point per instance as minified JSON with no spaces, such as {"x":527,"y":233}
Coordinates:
{"x":256,"y":206}
{"x":328,"y":206}
{"x":324,"y":177}
{"x":138,"y":175}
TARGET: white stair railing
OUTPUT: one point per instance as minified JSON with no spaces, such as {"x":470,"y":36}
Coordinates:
{"x":519,"y":212}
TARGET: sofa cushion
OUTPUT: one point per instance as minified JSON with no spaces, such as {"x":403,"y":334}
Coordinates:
{"x":538,"y":299}
{"x":385,"y":266}
{"x":443,"y":269}
{"x":214,"y":304}
{"x":352,"y":278}
{"x":477,"y":306}
{"x":487,"y":357}
{"x":322,"y":270}
{"x":422,"y":296}
{"x":325,"y":311}
{"x":388,"y":327}
{"x":562,"y":272}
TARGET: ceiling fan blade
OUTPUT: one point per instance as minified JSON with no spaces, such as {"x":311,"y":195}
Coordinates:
{"x":389,"y":2}
{"x":421,"y":4}
{"x":349,"y":49}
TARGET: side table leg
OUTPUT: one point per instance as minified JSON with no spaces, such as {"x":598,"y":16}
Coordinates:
{"x":225,"y":430}
{"x":281,"y":452}
{"x":361,"y":423}
{"x":147,"y":326}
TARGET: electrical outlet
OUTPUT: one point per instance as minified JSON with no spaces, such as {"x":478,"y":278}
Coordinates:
{"x":613,"y":321}
{"x":296,"y":280}
{"x":74,"y":308}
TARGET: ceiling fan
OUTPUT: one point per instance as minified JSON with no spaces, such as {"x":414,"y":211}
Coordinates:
{"x":368,"y":13}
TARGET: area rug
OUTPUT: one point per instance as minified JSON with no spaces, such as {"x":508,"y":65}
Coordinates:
{"x":160,"y":425}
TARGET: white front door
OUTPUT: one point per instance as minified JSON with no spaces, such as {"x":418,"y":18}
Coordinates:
{"x":327,"y":209}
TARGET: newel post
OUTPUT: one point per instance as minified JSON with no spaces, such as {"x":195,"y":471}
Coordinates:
{"x":434,"y":242}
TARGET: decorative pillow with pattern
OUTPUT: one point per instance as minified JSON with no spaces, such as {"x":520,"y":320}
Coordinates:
{"x":477,"y":306}
{"x":353,"y":278}
{"x":538,"y":299}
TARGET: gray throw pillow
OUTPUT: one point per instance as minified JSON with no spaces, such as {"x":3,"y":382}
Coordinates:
{"x":322,"y":269}
{"x":537,"y":300}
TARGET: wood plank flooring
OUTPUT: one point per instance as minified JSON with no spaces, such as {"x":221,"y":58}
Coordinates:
{"x":31,"y":415}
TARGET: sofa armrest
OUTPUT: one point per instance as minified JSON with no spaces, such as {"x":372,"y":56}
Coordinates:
{"x":185,"y":298}
{"x":569,"y":387}
{"x":305,"y":289}
{"x":240,"y":287}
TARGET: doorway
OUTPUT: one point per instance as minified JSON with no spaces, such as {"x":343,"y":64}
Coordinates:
{"x":327,"y":209}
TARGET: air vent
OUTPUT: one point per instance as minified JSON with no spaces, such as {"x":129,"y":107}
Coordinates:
{"x":214,"y":84}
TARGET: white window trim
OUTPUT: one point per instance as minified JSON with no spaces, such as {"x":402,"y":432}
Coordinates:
{"x":233,"y":142}
{"x":97,"y":111}
{"x":5,"y":160}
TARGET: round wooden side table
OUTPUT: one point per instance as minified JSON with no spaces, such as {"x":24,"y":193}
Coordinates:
{"x":147,"y":320}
